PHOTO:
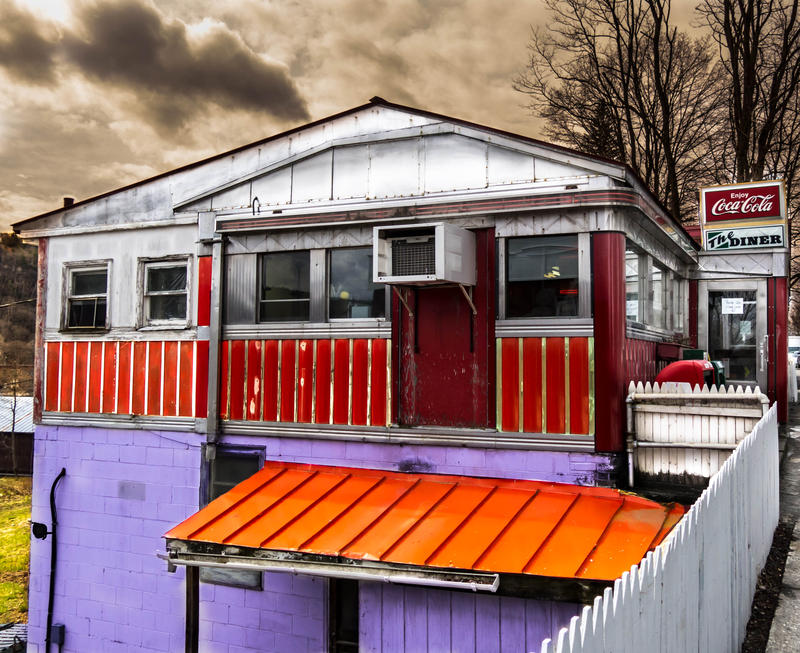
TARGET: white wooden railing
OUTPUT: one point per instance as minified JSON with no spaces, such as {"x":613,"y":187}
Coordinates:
{"x":694,"y":591}
{"x":681,"y":434}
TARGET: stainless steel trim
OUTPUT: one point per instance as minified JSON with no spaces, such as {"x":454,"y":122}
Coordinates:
{"x":309,"y":330}
{"x":575,"y":327}
{"x":148,"y":422}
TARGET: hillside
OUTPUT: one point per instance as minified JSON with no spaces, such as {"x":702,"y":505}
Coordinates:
{"x":17,"y":320}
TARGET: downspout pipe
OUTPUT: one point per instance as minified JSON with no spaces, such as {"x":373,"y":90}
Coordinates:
{"x":53,"y":556}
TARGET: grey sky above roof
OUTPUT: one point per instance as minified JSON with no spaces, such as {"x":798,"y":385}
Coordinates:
{"x":101,"y":93}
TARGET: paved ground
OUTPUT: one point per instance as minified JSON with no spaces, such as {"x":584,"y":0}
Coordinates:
{"x":784,"y":636}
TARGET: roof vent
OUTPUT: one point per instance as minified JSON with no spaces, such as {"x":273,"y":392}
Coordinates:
{"x":68,"y":201}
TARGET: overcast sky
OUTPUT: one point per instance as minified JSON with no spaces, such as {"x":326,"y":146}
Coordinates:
{"x":101,"y":93}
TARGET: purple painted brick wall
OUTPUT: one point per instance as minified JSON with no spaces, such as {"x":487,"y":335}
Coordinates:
{"x":397,"y":618}
{"x":555,"y":466}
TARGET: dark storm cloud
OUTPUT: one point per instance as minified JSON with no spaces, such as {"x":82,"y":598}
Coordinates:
{"x":25,"y":51}
{"x":129,"y":44}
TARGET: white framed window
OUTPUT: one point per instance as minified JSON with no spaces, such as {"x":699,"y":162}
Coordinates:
{"x":86,"y":295}
{"x":165,"y":292}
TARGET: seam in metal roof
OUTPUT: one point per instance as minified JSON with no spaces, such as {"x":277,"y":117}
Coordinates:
{"x":475,"y":525}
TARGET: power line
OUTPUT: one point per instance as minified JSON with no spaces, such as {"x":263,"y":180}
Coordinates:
{"x":21,"y":301}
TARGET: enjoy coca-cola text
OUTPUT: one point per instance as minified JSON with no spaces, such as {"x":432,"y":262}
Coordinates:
{"x":751,"y":204}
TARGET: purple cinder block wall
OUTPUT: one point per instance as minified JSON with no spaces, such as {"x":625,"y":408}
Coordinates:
{"x":399,"y":619}
{"x":125,"y":488}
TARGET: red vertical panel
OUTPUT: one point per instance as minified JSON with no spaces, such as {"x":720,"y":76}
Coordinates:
{"x":305,"y":380}
{"x":201,"y":380}
{"x":270,"y":413}
{"x":579,"y":385}
{"x":81,"y":369}
{"x":224,"y":373}
{"x":341,"y":381}
{"x":532,"y":385}
{"x":109,"y":377}
{"x":185,"y":371}
{"x":95,"y":375}
{"x":139,"y":375}
{"x":254,"y":375}
{"x":323,"y":383}
{"x":608,"y":278}
{"x":288,"y":380}
{"x":237,"y":379}
{"x":378,"y":373}
{"x":554,"y":386}
{"x":360,"y":379}
{"x":509,"y":389}
{"x":170,"y":406}
{"x":124,"y":378}
{"x":51,"y":376}
{"x":67,"y":371}
{"x":154,"y":379}
{"x":203,"y":291}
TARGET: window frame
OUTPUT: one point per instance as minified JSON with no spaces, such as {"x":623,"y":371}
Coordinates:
{"x":313,"y":300}
{"x":583,"y":243}
{"x":143,"y":264}
{"x":68,"y":270}
{"x":327,"y":286}
{"x":206,"y":483}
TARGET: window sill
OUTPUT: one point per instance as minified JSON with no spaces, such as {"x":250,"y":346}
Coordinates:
{"x":165,"y":327}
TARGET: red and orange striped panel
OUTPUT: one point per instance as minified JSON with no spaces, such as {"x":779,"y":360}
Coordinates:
{"x":459,"y":522}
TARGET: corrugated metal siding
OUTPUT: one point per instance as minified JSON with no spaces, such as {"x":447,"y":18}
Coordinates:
{"x":501,"y":526}
{"x":241,"y":275}
{"x":22,"y":417}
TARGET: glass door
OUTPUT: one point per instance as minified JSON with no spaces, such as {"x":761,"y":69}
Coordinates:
{"x":733,"y":329}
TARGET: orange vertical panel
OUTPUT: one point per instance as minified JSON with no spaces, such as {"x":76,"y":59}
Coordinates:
{"x":555,"y":380}
{"x":532,"y":385}
{"x":81,"y":370}
{"x":305,"y":380}
{"x":224,"y":373}
{"x":378,"y":375}
{"x":238,"y":352}
{"x":509,"y":393}
{"x":185,"y":370}
{"x":270,"y":381}
{"x":201,"y":380}
{"x":109,"y":377}
{"x":67,"y":376}
{"x":579,"y":385}
{"x":124,"y":378}
{"x":170,"y":406}
{"x":360,"y":379}
{"x":94,"y":389}
{"x":288,"y":381}
{"x":139,"y":364}
{"x":323,"y":382}
{"x":341,"y":381}
{"x":154,"y":379}
{"x":203,"y":291}
{"x":51,"y":376}
{"x":254,"y":375}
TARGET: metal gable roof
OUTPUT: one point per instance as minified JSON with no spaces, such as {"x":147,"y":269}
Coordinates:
{"x":429,"y":521}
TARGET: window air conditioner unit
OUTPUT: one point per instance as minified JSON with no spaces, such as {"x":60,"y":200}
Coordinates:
{"x":423,"y":254}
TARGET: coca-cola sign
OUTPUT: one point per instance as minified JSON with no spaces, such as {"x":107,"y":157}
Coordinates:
{"x":762,"y":201}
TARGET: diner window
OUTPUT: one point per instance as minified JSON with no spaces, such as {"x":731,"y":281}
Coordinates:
{"x":657,"y":296}
{"x":165,"y":294}
{"x":632,"y":285}
{"x":87,"y":297}
{"x":229,"y":468}
{"x":351,"y":292}
{"x":285,"y":294}
{"x":542,"y":276}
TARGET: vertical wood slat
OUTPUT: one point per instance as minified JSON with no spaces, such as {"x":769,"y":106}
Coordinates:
{"x":94,"y":387}
{"x":509,"y":392}
{"x":52,"y":376}
{"x":378,"y":383}
{"x":238,"y":352}
{"x":305,"y":380}
{"x":124,"y":363}
{"x":360,"y":382}
{"x":253,"y":384}
{"x":271,"y":386}
{"x":322,"y":383}
{"x":341,"y":381}
{"x":200,"y":377}
{"x":79,"y":393}
{"x":109,"y":390}
{"x":154,"y":378}
{"x":170,"y":376}
{"x":185,"y":373}
{"x":532,"y":385}
{"x":555,"y":374}
{"x":224,"y":375}
{"x":287,"y":381}
{"x":139,"y":367}
{"x":579,"y":385}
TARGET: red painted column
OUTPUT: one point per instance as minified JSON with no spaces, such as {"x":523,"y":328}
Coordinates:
{"x":777,"y":373}
{"x":608,"y":267}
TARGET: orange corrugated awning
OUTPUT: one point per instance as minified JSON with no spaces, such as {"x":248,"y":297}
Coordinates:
{"x":457,"y":526}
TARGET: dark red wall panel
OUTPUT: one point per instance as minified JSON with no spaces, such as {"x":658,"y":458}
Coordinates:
{"x":270,"y":413}
{"x":201,"y":379}
{"x":224,"y":379}
{"x":532,"y":384}
{"x":305,"y":380}
{"x":287,"y":380}
{"x":509,"y":355}
{"x":322,"y":407}
{"x":203,"y":291}
{"x":341,"y":381}
{"x":360,"y":381}
{"x":378,"y":378}
{"x":555,"y":373}
{"x":579,"y":385}
{"x":254,"y":375}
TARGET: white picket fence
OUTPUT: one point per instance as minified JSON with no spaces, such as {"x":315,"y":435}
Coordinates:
{"x":678,"y":433}
{"x":694,"y":591}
